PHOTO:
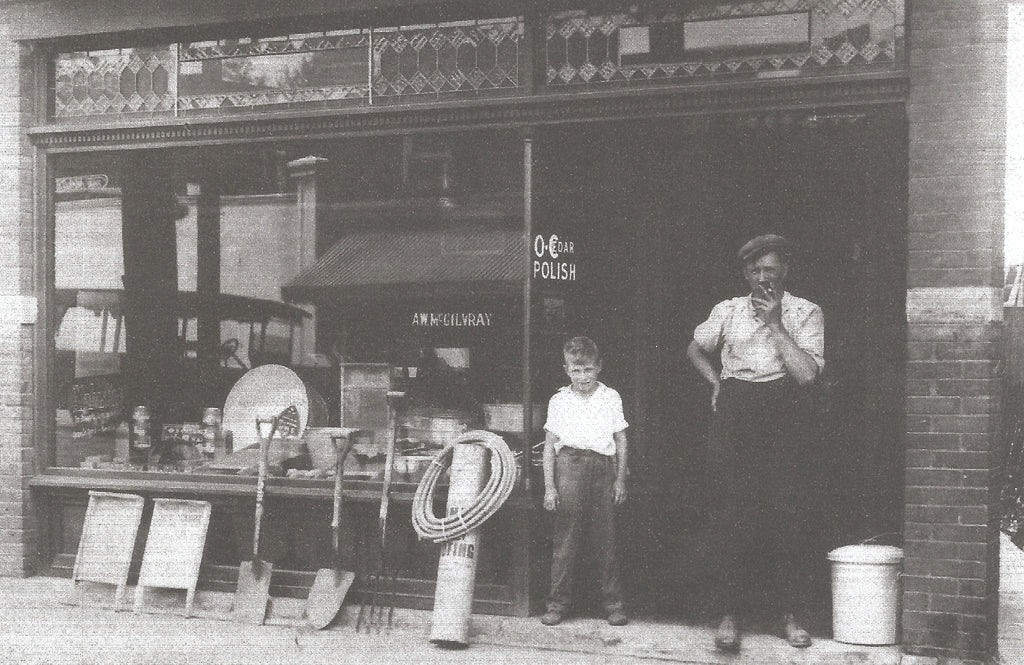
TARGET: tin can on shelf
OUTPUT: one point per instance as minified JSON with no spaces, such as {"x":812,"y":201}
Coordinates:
{"x":212,"y":421}
{"x":140,"y":442}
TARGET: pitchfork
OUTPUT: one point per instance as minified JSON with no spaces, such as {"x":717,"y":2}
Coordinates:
{"x":381,"y":583}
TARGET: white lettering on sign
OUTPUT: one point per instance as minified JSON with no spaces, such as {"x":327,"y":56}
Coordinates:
{"x":553,"y":246}
{"x":554,"y":270}
{"x":452,"y":319}
{"x":547,"y":252}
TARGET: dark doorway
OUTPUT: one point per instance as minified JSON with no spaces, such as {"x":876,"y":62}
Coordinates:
{"x":662,"y":207}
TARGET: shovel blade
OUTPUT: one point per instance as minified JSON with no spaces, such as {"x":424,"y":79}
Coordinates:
{"x":252,"y":593}
{"x":326,"y":596}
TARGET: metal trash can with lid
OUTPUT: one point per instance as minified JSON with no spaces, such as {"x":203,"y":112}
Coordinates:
{"x":866,"y":594}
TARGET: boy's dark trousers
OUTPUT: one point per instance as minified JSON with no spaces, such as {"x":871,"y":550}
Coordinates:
{"x":585,"y":517}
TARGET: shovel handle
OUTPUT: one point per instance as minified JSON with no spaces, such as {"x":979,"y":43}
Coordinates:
{"x":389,"y":461}
{"x":341,"y":451}
{"x":261,"y":481}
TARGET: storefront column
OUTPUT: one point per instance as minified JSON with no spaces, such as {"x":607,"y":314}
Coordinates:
{"x":19,"y":253}
{"x":954,"y":313}
{"x":527,"y":307}
{"x":305,"y":171}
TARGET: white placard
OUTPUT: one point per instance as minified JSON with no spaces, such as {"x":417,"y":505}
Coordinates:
{"x":753,"y":31}
{"x":634,"y":40}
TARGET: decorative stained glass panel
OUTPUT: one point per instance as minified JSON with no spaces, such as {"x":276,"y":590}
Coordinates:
{"x":718,"y":40}
{"x":298,"y":69}
{"x":117,"y":81}
{"x":463,"y":56}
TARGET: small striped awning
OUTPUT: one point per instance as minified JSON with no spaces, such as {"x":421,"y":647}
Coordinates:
{"x":415,"y":262}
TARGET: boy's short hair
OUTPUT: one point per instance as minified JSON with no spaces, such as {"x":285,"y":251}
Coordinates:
{"x":579,"y":350}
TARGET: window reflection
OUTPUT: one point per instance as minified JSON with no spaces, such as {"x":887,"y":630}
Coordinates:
{"x":177,"y":272}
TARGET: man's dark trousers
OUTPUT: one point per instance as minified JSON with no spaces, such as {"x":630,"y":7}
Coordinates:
{"x":757,"y":487}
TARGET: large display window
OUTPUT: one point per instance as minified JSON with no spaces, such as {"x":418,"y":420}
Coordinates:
{"x":394,"y":263}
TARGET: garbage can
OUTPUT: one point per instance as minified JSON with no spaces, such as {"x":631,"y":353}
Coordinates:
{"x":866,"y":594}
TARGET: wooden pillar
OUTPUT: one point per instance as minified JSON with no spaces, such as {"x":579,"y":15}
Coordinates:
{"x":305,"y":172}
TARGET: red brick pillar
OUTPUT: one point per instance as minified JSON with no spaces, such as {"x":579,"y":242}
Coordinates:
{"x":954,"y":313}
{"x":17,"y":311}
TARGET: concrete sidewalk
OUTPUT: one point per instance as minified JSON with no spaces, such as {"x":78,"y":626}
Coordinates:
{"x":36,"y":627}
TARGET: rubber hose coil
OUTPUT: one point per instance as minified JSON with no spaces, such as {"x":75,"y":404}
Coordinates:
{"x":494,"y":494}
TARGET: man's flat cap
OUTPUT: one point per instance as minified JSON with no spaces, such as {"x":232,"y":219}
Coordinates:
{"x":761,"y":245}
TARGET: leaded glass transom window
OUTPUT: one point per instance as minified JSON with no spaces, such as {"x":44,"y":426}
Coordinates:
{"x":328,"y":70}
{"x":298,"y":69}
{"x":466,"y":57}
{"x":361,"y":67}
{"x":766,"y":39}
{"x":115,"y":82}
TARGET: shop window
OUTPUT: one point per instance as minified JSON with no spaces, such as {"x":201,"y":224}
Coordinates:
{"x":724,"y":39}
{"x":132,"y":298}
{"x":178,"y":271}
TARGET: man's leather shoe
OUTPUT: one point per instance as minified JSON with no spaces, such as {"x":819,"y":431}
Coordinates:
{"x":551,"y":618}
{"x":794,"y":633}
{"x":727,"y":635}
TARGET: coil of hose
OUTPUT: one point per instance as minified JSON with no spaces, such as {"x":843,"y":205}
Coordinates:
{"x":494,"y":494}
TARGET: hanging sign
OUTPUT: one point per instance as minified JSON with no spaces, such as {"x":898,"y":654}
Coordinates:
{"x":554,"y":259}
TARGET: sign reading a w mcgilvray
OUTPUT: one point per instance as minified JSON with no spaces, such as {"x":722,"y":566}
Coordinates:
{"x":430,"y":319}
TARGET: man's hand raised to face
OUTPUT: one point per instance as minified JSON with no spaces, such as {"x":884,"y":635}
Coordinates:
{"x":767,"y":305}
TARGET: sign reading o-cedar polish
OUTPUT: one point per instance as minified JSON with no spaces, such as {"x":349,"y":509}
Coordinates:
{"x":554,"y":259}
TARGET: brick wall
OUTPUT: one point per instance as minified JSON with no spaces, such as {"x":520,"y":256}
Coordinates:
{"x":957,"y":119}
{"x":17,"y":533}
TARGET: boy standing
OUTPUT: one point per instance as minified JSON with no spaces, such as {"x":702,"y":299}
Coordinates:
{"x":584,"y":478}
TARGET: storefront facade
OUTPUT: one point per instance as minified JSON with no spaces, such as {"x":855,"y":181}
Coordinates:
{"x":447,"y":191}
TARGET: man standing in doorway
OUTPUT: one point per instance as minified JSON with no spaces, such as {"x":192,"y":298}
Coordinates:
{"x":772,"y":347}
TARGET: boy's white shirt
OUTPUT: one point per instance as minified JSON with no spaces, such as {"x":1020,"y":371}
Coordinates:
{"x":587,"y":422}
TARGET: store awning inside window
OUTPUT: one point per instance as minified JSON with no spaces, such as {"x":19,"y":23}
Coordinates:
{"x":188,"y":304}
{"x":415,"y":263}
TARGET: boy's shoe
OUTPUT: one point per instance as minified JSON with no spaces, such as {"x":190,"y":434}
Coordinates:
{"x":551,"y":618}
{"x":617,"y":618}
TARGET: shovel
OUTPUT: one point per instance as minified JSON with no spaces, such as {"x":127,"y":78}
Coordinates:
{"x":330,"y":586}
{"x":253,"y":591}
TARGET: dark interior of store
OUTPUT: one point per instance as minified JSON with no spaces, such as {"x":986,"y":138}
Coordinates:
{"x":659,"y":210}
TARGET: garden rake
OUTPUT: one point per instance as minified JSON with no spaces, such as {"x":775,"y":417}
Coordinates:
{"x":381,"y":583}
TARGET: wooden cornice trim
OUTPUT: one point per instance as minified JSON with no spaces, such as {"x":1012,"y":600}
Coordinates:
{"x":805,"y":94}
